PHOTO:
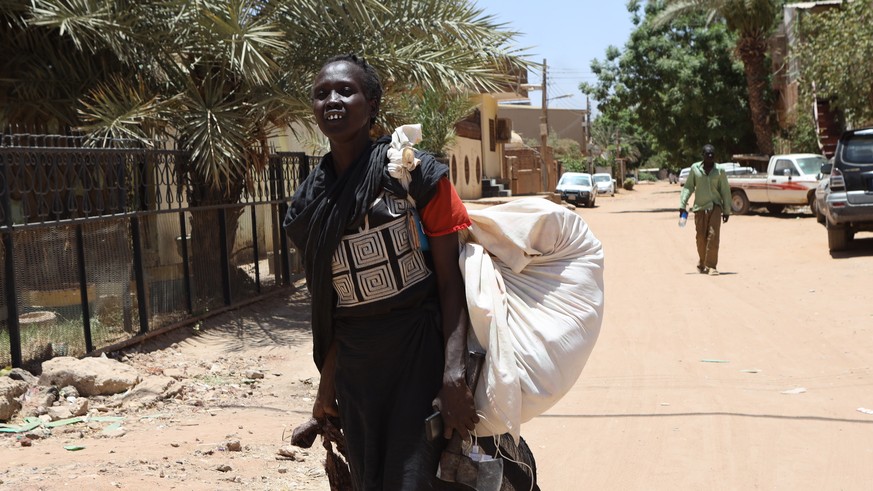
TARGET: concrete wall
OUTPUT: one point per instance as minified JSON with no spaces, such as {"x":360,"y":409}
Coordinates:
{"x":567,"y":123}
{"x":525,"y":171}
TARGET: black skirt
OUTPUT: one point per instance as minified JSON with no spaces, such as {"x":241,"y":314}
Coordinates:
{"x":389,"y":370}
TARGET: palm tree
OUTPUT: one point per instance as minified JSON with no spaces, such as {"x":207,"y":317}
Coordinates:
{"x":752,"y":21}
{"x":219,"y":76}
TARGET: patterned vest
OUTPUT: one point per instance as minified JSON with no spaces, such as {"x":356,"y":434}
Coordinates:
{"x":380,"y":265}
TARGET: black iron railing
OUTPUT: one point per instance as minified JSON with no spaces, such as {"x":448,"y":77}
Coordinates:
{"x":104,"y":245}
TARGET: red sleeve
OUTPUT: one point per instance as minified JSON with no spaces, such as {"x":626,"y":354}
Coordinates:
{"x":445,"y":213}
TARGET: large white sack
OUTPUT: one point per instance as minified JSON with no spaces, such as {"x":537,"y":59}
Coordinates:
{"x":533,"y":274}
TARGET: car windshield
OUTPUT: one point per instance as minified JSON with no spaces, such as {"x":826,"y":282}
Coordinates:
{"x":859,"y":148}
{"x":811,"y":165}
{"x":602,"y":178}
{"x":576,"y":181}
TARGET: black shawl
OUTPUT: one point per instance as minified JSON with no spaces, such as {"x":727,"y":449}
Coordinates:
{"x":325,"y":206}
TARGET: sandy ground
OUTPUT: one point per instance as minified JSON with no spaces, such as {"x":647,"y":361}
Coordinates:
{"x":749,"y":380}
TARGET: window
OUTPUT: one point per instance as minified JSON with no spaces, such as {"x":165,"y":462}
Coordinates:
{"x":785,"y":165}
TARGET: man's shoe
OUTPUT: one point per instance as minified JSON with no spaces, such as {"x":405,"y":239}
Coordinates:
{"x":701,"y":269}
{"x":713,"y":272}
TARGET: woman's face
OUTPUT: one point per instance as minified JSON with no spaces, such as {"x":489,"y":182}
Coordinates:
{"x":339,"y":104}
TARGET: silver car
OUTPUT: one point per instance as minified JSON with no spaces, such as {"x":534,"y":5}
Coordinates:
{"x":605,"y":183}
{"x":577,"y":188}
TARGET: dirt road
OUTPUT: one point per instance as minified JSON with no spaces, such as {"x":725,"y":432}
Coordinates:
{"x":686,"y":386}
{"x":749,"y":380}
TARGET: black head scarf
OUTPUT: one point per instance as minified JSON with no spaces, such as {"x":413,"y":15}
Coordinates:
{"x":325,"y":206}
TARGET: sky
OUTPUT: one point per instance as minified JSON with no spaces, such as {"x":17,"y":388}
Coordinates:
{"x":568,"y":34}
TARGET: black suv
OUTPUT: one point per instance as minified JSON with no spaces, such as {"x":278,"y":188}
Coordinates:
{"x":849,"y":204}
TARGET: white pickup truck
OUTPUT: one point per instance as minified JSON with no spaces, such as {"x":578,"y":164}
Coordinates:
{"x":790,"y":181}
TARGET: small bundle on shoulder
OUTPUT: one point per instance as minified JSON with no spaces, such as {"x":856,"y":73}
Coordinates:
{"x":533,"y":274}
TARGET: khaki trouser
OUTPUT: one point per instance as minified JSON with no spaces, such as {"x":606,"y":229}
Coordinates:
{"x":708,"y":225}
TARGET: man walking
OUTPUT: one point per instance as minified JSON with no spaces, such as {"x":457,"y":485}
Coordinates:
{"x":712,"y":199}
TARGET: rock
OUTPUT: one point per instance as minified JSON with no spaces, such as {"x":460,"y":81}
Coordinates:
{"x":10,"y":391}
{"x":69,"y":391}
{"x":233,"y":446}
{"x":24,"y":376}
{"x":113,"y":431}
{"x":79,"y":407}
{"x":37,"y":398}
{"x":59,"y":412}
{"x":254,"y":374}
{"x":289,"y":452}
{"x":176,"y":373}
{"x":90,"y":376}
{"x":26,"y":442}
{"x":151,"y":390}
{"x":224,"y":468}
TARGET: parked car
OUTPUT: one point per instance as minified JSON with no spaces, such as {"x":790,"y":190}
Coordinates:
{"x":821,"y":195}
{"x":790,"y":180}
{"x":577,"y":188}
{"x":683,"y":175}
{"x":848,"y":204}
{"x":604,"y":183}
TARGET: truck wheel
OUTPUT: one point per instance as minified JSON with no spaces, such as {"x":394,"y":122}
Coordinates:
{"x":775,"y":209}
{"x":739,"y":203}
{"x":838,"y":237}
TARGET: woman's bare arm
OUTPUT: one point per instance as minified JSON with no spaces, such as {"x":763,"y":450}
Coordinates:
{"x":455,"y":400}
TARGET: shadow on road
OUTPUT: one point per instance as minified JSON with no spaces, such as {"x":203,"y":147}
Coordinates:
{"x":282,"y":320}
{"x":714,"y":413}
{"x":858,"y":247}
{"x":652,"y":210}
{"x":793,"y":214}
{"x":720,"y":273}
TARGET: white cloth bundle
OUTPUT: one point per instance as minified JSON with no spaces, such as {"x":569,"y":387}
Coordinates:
{"x":533,"y":274}
{"x":401,"y":153}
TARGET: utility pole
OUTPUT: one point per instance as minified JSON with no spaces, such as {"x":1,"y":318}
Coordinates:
{"x":586,"y":134}
{"x":544,"y":133}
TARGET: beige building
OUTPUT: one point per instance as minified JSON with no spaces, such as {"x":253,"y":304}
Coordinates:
{"x":566,"y":123}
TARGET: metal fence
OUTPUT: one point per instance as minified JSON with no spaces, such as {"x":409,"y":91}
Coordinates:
{"x":100,"y":246}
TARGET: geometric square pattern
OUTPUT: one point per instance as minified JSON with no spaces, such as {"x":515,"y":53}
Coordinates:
{"x":340,"y":262}
{"x":378,"y":261}
{"x":400,"y":236}
{"x":396,"y":206}
{"x":367,"y":249}
{"x":413,"y":268}
{"x":345,"y":289}
{"x":376,"y":283}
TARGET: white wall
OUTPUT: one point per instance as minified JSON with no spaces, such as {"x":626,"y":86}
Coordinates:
{"x":465,"y":179}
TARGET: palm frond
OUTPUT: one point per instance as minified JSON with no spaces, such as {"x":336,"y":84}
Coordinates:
{"x":119,"y":110}
{"x":249,"y":37}
{"x":215,"y":128}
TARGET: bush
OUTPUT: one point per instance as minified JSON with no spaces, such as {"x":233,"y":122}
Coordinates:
{"x":628,"y":183}
{"x":645,"y":176}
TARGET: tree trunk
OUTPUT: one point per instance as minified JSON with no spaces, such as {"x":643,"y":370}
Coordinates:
{"x":752,"y":49}
{"x":205,"y":235}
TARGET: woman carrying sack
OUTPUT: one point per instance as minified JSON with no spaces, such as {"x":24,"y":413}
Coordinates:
{"x":389,"y":319}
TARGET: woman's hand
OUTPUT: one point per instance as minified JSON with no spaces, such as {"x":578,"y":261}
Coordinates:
{"x":325,"y":400}
{"x":455,"y":403}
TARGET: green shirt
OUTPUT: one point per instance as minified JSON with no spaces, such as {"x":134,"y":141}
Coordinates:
{"x":709,"y":189}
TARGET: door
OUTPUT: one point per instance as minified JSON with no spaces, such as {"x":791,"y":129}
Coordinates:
{"x":781,"y":188}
